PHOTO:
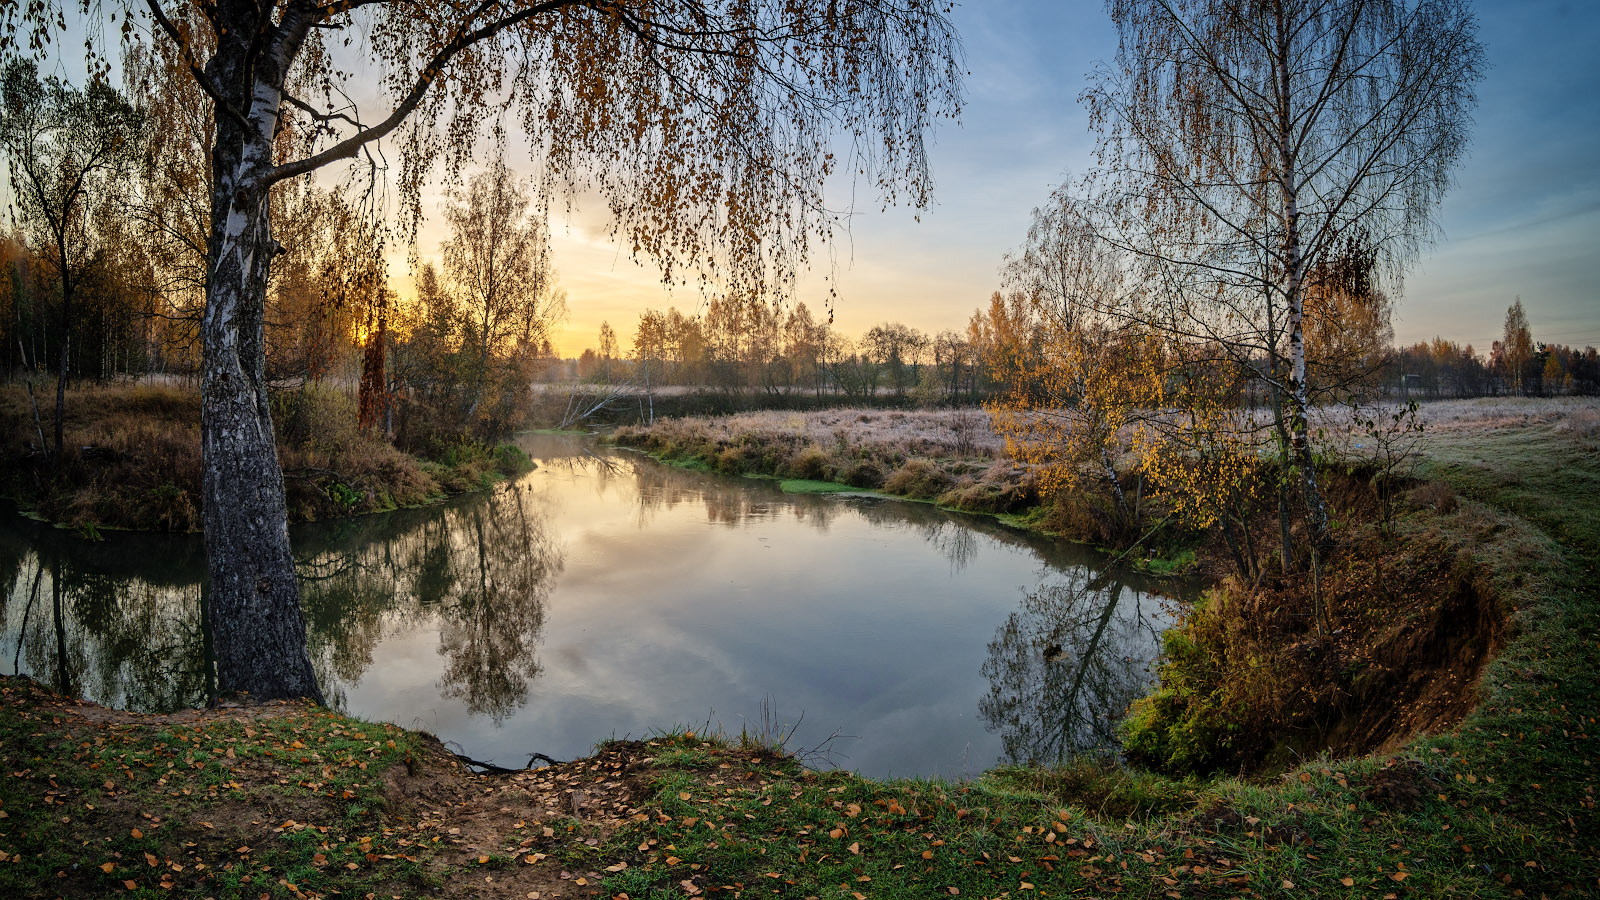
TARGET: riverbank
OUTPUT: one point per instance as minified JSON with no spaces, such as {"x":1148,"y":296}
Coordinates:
{"x":948,"y":457}
{"x":1501,"y":804}
{"x":132,"y":460}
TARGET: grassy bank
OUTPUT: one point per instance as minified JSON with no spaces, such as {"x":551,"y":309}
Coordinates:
{"x":949,"y":457}
{"x":1501,"y":803}
{"x":133,"y":460}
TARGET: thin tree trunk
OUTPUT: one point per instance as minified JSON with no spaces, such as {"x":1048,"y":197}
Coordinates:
{"x":66,"y":347}
{"x":1294,"y":296}
{"x":38,"y":427}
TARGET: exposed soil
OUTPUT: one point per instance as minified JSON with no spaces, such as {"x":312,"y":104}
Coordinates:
{"x":1386,"y":641}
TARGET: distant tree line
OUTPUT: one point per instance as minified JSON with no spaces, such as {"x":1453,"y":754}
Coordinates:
{"x":753,"y":346}
{"x":756,"y":347}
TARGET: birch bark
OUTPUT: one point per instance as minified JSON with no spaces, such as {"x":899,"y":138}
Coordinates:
{"x":253,"y":606}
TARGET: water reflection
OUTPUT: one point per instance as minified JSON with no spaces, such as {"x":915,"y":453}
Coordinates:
{"x":1064,"y":667}
{"x":93,"y":626}
{"x":606,"y":594}
{"x":483,"y":569}
{"x":86,"y":621}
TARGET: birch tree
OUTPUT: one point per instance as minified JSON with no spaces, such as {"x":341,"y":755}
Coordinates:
{"x":705,"y":126}
{"x":497,"y":260}
{"x":1246,"y":143}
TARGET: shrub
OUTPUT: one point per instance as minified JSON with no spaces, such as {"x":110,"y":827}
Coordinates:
{"x":1434,"y":495}
{"x":811,"y":464}
{"x":920,"y":479}
{"x":863,"y":473}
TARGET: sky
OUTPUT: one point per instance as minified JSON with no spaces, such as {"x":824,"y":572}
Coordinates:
{"x":1523,"y":219}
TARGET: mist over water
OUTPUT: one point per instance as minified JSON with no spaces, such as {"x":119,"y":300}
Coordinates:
{"x":605,"y":595}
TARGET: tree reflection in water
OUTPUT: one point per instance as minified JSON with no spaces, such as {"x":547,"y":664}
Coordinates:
{"x":120,"y":622}
{"x":483,"y":568}
{"x":1064,"y":667}
{"x":97,"y":629}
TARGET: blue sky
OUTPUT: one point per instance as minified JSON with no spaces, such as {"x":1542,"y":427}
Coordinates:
{"x":1523,"y":219}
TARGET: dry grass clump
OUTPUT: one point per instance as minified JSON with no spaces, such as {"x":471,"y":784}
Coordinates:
{"x":879,"y":434}
{"x":916,"y":453}
{"x":919,"y":479}
{"x":132,"y":459}
{"x":1584,"y":426}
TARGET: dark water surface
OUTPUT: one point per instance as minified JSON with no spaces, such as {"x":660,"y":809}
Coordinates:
{"x":606,"y":595}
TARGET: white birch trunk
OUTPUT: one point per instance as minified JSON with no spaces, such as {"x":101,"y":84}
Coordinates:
{"x":253,"y":606}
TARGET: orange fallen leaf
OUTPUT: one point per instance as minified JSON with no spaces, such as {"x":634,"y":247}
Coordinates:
{"x":107,"y":867}
{"x":1287,"y":884}
{"x":136,"y":834}
{"x":1347,"y":881}
{"x":927,"y":854}
{"x":855,"y":848}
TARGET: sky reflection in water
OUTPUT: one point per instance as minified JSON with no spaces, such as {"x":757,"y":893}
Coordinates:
{"x":606,"y":595}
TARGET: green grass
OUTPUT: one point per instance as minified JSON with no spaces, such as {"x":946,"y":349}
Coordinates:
{"x":221,"y":807}
{"x":809,"y":486}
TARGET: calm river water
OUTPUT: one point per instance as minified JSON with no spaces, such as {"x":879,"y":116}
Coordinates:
{"x":604,"y":594}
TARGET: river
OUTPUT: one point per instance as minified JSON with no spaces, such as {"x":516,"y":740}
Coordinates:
{"x":606,"y":595}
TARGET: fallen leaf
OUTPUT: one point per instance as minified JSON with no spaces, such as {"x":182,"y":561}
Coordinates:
{"x":855,"y":848}
{"x":107,"y":867}
{"x":1347,"y":881}
{"x":1287,"y":884}
{"x":136,"y":834}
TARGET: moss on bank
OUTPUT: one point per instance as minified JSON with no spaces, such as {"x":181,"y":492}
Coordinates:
{"x":133,"y":460}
